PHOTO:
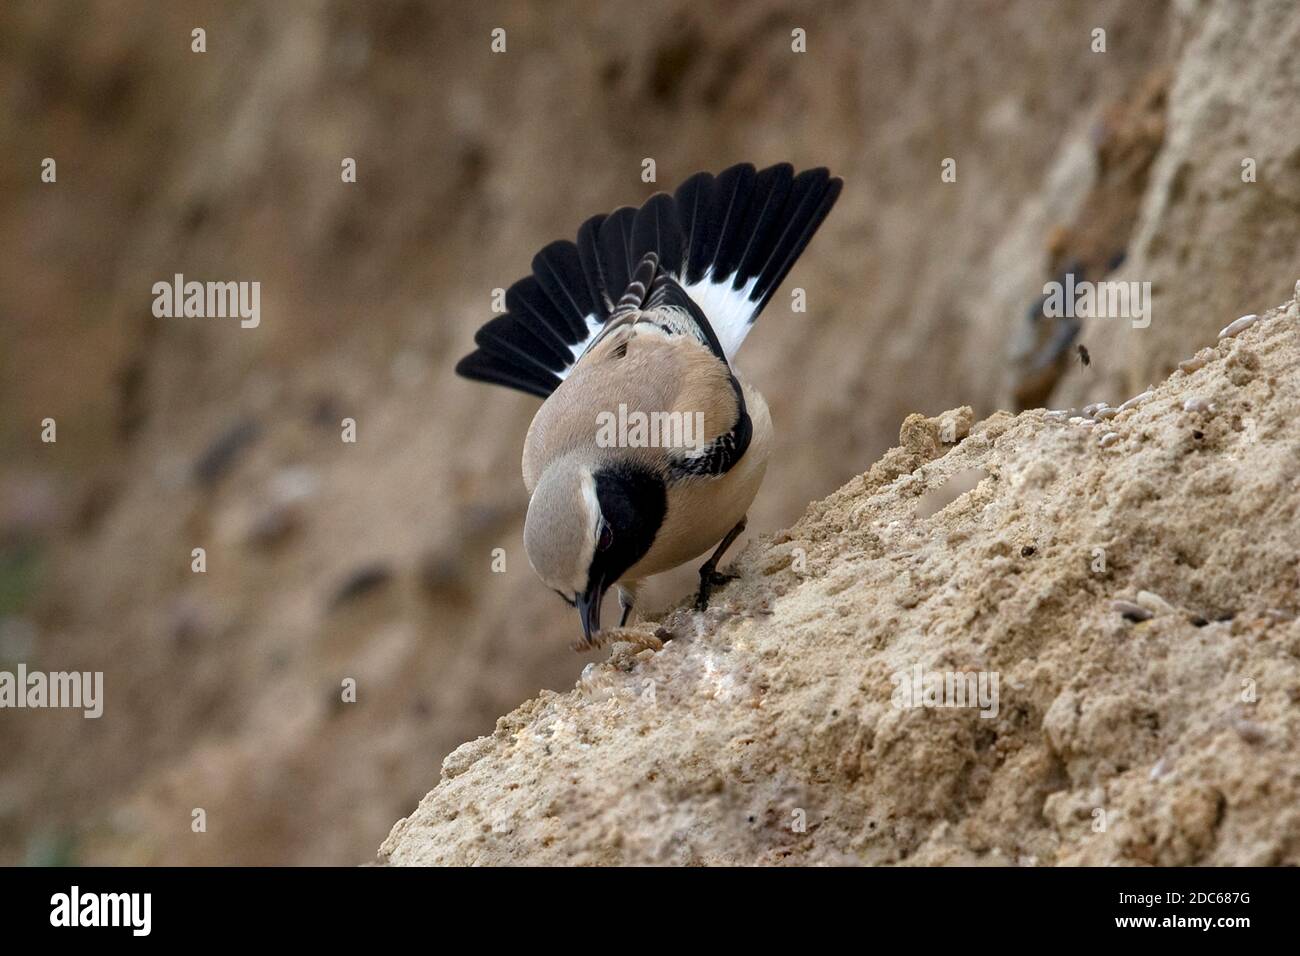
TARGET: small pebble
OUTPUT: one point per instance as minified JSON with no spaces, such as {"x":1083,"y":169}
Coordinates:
{"x":1130,"y":611}
{"x":1154,"y":602}
{"x":1249,"y":731}
{"x":1239,"y":326}
{"x":1135,"y":401}
{"x":1198,"y":404}
{"x":273,"y":527}
{"x":219,"y":457}
{"x":1109,"y":439}
{"x":360,"y":582}
{"x":1188,"y":366}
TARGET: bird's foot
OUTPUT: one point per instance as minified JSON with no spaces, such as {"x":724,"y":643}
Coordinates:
{"x":710,"y":579}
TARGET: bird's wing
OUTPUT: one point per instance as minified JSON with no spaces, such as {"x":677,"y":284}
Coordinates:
{"x":641,"y":369}
{"x":726,"y":241}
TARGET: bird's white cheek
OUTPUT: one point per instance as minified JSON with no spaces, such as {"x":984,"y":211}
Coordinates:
{"x":583,"y":570}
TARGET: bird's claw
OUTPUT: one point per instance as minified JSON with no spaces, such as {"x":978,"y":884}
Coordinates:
{"x":708,"y":581}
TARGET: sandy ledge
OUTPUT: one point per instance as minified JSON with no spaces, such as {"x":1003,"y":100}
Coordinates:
{"x":1175,"y":715}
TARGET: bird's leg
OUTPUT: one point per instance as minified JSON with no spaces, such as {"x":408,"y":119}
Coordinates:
{"x":626,"y":598}
{"x":709,"y":574}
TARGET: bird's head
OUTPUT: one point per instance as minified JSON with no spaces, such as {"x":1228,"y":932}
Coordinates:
{"x":588,"y":522}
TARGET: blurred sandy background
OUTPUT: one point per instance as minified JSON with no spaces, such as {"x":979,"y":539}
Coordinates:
{"x":371,"y":560}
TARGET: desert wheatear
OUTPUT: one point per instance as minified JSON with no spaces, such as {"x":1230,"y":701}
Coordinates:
{"x":649,"y":447}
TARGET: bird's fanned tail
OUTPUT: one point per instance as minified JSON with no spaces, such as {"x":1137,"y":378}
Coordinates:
{"x":727,"y":242}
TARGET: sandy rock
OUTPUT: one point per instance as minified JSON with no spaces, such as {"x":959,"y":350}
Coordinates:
{"x":775,"y":737}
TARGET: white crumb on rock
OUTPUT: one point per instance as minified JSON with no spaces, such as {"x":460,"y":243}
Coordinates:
{"x":1235,"y":328}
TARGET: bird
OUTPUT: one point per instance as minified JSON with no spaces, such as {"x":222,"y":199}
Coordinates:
{"x":642,"y":315}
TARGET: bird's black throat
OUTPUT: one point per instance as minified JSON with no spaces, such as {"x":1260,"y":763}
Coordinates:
{"x":633,"y":501}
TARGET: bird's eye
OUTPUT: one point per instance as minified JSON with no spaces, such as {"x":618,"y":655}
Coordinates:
{"x":606,"y":538}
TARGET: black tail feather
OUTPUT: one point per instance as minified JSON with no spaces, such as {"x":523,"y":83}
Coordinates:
{"x":531,"y":317}
{"x":692,"y":201}
{"x":724,"y":239}
{"x":764,"y":219}
{"x":487,"y":367}
{"x":558,"y":269}
{"x":812,"y":195}
{"x":615,"y":244}
{"x":657,"y":229}
{"x":589,"y":257}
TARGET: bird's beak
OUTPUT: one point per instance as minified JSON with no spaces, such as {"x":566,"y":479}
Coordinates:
{"x":588,"y":606}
